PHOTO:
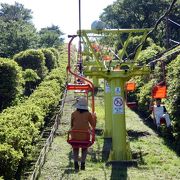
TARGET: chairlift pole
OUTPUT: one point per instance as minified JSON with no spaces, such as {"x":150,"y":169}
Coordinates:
{"x":80,"y":48}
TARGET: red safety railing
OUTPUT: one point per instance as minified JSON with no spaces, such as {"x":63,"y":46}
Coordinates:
{"x":88,"y":82}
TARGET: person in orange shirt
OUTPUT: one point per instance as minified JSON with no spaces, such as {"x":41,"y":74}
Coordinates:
{"x":81,"y":119}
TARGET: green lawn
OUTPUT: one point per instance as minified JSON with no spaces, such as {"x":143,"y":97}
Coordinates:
{"x":155,"y":160}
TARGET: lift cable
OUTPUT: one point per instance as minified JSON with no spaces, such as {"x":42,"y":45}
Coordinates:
{"x":174,"y":22}
{"x":154,"y":28}
{"x":80,"y":37}
{"x":164,"y":56}
{"x":176,"y":42}
{"x":157,"y":56}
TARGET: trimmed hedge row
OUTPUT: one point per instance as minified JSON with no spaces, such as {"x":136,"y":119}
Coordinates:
{"x":173,"y":100}
{"x":20,"y":126}
{"x":50,"y":59}
{"x":11,"y":81}
{"x":32,"y":59}
{"x":145,"y":84}
{"x":16,"y":80}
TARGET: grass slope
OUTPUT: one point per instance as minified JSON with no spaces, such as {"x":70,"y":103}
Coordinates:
{"x":155,"y":160}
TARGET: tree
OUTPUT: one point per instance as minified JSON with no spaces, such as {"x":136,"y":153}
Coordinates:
{"x":139,"y":14}
{"x":17,"y":31}
{"x":134,"y":14}
{"x":16,"y":36}
{"x":50,"y":37}
{"x":15,"y":12}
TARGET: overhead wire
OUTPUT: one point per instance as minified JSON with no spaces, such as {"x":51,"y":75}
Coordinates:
{"x":174,"y":22}
{"x":153,"y":29}
{"x":162,"y":57}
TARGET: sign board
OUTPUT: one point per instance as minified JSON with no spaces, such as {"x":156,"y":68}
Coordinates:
{"x":117,"y":91}
{"x":107,"y":87}
{"x":118,"y":105}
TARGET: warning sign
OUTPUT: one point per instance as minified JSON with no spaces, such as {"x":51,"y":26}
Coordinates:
{"x":107,"y":87}
{"x":118,"y":106}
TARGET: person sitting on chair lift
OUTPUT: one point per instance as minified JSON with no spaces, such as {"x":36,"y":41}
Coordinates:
{"x":81,"y":119}
{"x":159,"y":111}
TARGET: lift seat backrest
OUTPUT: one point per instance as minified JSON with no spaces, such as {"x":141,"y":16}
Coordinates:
{"x":132,"y":105}
{"x":76,"y":141}
{"x":130,"y":86}
{"x":159,"y":92}
{"x":79,"y":87}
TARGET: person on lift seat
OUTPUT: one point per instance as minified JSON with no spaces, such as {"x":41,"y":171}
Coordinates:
{"x":159,"y":112}
{"x":81,"y":119}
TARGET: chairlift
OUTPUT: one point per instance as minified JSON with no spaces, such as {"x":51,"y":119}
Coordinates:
{"x":159,"y":91}
{"x":86,"y":87}
{"x":130,"y":88}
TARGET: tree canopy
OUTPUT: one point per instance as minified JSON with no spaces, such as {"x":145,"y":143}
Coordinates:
{"x":18,"y":32}
{"x":50,"y":37}
{"x":140,"y":14}
{"x":15,"y":12}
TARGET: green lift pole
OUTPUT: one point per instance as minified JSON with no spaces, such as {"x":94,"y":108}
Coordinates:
{"x":115,"y":123}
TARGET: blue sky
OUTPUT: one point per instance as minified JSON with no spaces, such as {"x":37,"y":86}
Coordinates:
{"x":63,"y":13}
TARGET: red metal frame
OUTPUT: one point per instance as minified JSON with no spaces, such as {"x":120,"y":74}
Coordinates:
{"x":130,"y":87}
{"x":160,"y":89}
{"x":79,"y":87}
{"x":77,"y":76}
{"x":81,"y":143}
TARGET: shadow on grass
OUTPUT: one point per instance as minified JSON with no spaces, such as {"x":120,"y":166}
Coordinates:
{"x":118,"y":173}
{"x":134,"y":135}
{"x":164,"y":133}
{"x":69,"y":168}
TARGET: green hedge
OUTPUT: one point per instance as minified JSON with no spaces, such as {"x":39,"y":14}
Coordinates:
{"x":145,"y":84}
{"x":50,"y":59}
{"x":20,"y":126}
{"x":55,"y":52}
{"x":173,"y":100}
{"x":32,"y":59}
{"x":9,"y":160}
{"x":11,"y":82}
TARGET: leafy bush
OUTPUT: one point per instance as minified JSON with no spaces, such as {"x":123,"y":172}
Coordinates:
{"x":173,"y":100}
{"x":55,"y":52}
{"x":11,"y":82}
{"x":32,"y":59}
{"x":20,"y":126}
{"x":50,"y":59}
{"x":9,"y":160}
{"x":31,"y":81}
{"x":149,"y":53}
{"x":144,"y":97}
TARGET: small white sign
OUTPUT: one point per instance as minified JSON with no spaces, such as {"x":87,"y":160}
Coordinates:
{"x":118,"y":105}
{"x":117,"y":90}
{"x":107,"y":87}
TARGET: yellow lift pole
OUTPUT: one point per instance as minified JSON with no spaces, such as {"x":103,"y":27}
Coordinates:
{"x":115,"y":123}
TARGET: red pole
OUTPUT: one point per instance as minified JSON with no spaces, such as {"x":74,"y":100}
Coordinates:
{"x":76,"y":75}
